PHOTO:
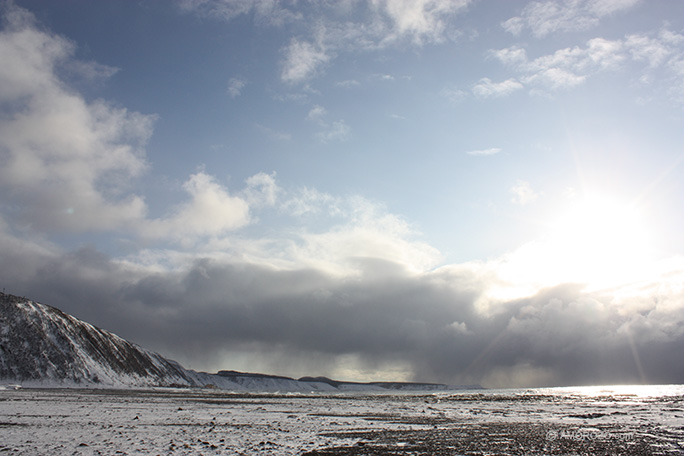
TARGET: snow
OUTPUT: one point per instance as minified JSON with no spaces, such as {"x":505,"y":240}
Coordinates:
{"x":187,"y":421}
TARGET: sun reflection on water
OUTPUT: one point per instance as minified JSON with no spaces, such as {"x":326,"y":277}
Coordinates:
{"x":639,"y":391}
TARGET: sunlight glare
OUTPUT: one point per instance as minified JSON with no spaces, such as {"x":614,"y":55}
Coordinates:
{"x":597,"y":241}
{"x":600,"y":241}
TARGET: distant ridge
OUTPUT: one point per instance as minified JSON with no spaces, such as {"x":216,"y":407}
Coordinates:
{"x":384,"y":385}
{"x":42,"y":346}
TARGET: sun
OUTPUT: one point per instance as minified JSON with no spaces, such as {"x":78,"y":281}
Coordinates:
{"x":598,"y":240}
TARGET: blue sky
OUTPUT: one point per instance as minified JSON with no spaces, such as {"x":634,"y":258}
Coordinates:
{"x":475,"y":154}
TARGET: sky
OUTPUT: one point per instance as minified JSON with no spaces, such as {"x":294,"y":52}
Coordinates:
{"x":463,"y":191}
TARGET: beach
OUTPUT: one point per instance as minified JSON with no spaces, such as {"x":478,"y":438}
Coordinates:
{"x":203,"y":421}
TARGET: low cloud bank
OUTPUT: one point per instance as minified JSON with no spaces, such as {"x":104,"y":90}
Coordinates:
{"x":433,"y":324}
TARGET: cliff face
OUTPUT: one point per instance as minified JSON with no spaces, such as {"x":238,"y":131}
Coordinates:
{"x":41,"y":344}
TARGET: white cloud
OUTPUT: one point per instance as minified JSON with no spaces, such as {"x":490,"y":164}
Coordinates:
{"x":262,"y":190}
{"x":317,"y":114}
{"x":655,"y":51}
{"x":66,"y":162}
{"x":274,"y":134}
{"x":347,"y":236}
{"x":422,"y":20}
{"x":211,"y":211}
{"x":302,"y":61}
{"x":484,"y":152}
{"x":349,"y":83}
{"x":569,"y":67}
{"x":554,"y":79}
{"x":545,"y":17}
{"x":486,"y":88}
{"x":454,"y":95}
{"x":335,"y":131}
{"x":365,"y":235}
{"x":311,"y":201}
{"x":91,"y":71}
{"x":566,"y":67}
{"x":235,"y":86}
{"x":606,"y":7}
{"x":512,"y":56}
{"x":606,"y":54}
{"x":268,"y":11}
{"x":523,"y":193}
{"x":366,"y":248}
{"x":334,"y":27}
{"x":330,"y":131}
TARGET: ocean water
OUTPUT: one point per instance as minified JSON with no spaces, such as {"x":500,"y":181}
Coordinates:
{"x":611,"y":420}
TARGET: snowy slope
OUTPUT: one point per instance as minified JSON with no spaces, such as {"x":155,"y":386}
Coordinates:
{"x":40,"y":344}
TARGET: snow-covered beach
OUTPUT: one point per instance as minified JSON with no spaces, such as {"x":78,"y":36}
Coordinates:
{"x":602,"y":420}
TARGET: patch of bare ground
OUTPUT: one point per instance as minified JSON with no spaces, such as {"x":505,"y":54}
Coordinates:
{"x":516,"y":439}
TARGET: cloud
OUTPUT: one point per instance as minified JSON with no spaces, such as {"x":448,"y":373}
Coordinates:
{"x":262,"y":190}
{"x":454,"y":95}
{"x":545,"y":17}
{"x":564,"y":68}
{"x":66,"y":162}
{"x":422,"y":21}
{"x":266,"y":11}
{"x":330,"y":131}
{"x":511,"y":56}
{"x":523,"y":193}
{"x":330,"y":28}
{"x":568,"y":67}
{"x":485,"y":88}
{"x":309,"y":200}
{"x":348,"y":83}
{"x":211,"y":211}
{"x":484,"y":152}
{"x":317,"y":114}
{"x":274,"y":134}
{"x":235,"y":86}
{"x":554,"y":79}
{"x":438,"y":324}
{"x":335,"y":131}
{"x":92,"y":72}
{"x":302,"y":61}
{"x":366,"y":233}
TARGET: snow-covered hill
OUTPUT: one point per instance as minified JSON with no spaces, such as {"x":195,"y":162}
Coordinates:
{"x":43,"y":346}
{"x":40,"y":344}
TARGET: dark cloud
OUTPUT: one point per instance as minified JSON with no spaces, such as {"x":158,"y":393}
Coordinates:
{"x":306,"y":319}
